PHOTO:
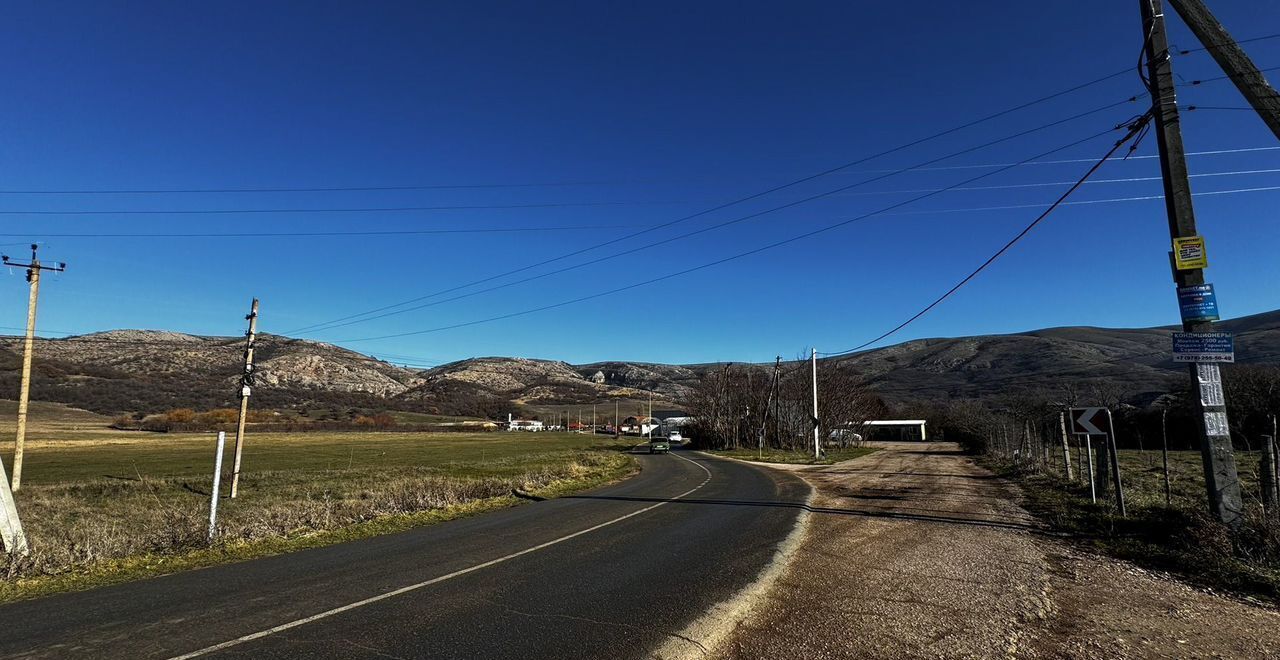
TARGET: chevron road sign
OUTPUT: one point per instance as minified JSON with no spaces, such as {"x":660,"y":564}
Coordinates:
{"x":1090,"y":421}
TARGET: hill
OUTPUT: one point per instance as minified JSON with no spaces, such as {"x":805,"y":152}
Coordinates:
{"x":150,"y":371}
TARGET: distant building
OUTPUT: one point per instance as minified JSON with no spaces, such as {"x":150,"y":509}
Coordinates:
{"x":640,"y":425}
{"x":524,"y":424}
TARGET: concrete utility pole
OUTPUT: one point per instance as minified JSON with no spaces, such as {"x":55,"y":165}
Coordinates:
{"x":24,"y":393}
{"x":246,"y":388}
{"x":817,"y":446}
{"x":1233,"y":60}
{"x":1221,"y":480}
{"x":617,"y":430}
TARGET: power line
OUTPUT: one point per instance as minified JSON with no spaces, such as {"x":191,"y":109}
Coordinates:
{"x":1241,"y":41}
{"x":1201,"y":81}
{"x":1134,"y":129}
{"x":1065,"y":161}
{"x":745,"y":199}
{"x":1012,"y":186}
{"x":338,"y":324}
{"x":170,"y":191}
{"x":716,"y":262}
{"x":380,"y":209}
{"x":1086,"y":202}
{"x":303,"y":234}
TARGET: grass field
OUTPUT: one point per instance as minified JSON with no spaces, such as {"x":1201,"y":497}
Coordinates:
{"x":832,"y":455}
{"x":102,"y":506}
{"x":1179,"y":536}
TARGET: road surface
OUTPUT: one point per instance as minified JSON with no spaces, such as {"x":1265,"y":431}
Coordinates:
{"x":611,"y":573}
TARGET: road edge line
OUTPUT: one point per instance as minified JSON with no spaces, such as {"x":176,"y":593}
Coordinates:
{"x":704,"y":635}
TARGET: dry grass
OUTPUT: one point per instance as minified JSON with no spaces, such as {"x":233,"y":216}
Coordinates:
{"x":97,"y":513}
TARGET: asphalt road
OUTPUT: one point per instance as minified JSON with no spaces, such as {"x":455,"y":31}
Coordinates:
{"x":610,"y":573}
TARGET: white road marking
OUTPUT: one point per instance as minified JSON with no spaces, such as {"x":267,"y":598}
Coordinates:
{"x":448,"y":576}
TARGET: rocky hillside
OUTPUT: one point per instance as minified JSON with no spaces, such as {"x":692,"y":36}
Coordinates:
{"x":145,"y":371}
{"x":149,"y":371}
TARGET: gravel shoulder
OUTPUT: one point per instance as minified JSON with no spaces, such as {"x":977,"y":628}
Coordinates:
{"x":915,"y":552}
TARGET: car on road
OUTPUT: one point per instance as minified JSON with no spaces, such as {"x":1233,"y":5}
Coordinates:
{"x":675,"y":438}
{"x":659,"y":446}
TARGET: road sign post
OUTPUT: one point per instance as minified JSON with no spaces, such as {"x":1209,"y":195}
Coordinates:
{"x":1115,"y":464}
{"x":1093,"y":485}
{"x":1098,"y":421}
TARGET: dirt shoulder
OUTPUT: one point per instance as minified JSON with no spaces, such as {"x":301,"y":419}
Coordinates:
{"x":915,"y":552}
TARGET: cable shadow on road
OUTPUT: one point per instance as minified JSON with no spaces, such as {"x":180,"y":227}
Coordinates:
{"x":891,"y":515}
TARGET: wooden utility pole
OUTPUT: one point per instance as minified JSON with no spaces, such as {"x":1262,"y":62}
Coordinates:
{"x":246,"y":388}
{"x":1233,"y":60}
{"x":1221,"y":480}
{"x":1066,"y":447}
{"x":24,"y":392}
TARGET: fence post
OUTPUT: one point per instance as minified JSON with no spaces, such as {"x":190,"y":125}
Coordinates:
{"x":217,"y":486}
{"x":1267,"y":474}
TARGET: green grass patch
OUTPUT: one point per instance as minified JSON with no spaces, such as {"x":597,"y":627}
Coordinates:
{"x":832,"y":455}
{"x":1180,"y":536}
{"x":106,"y":512}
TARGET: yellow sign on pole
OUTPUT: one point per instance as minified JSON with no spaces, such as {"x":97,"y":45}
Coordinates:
{"x":1189,"y":253}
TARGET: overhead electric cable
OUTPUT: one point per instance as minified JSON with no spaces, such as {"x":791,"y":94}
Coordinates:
{"x":381,"y":209}
{"x":1134,"y":129}
{"x":733,"y":221}
{"x":716,"y":262}
{"x":742,"y":200}
{"x":305,"y":234}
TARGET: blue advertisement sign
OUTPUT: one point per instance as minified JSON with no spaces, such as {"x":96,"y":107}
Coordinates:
{"x":1197,"y":303}
{"x":1204,"y":347}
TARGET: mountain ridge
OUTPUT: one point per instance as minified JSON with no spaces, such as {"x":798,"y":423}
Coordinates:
{"x":147,"y":370}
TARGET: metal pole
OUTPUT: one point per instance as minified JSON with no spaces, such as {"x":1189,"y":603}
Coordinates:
{"x":245,"y":389}
{"x":817,"y":447}
{"x":649,"y":422}
{"x":1093,"y":487}
{"x":1222,"y":483}
{"x":1115,"y":464}
{"x":217,"y":485}
{"x":1164,"y":451}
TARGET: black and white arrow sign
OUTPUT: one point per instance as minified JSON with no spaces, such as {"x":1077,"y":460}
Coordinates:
{"x":1090,"y":421}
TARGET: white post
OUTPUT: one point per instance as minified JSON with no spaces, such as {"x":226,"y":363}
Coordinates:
{"x":217,"y":485}
{"x":817,"y":447}
{"x":14,"y":539}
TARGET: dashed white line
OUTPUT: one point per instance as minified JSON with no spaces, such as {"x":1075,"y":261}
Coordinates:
{"x":426,"y":583}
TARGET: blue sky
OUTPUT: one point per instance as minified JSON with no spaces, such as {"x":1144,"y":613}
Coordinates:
{"x":623,"y":116}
